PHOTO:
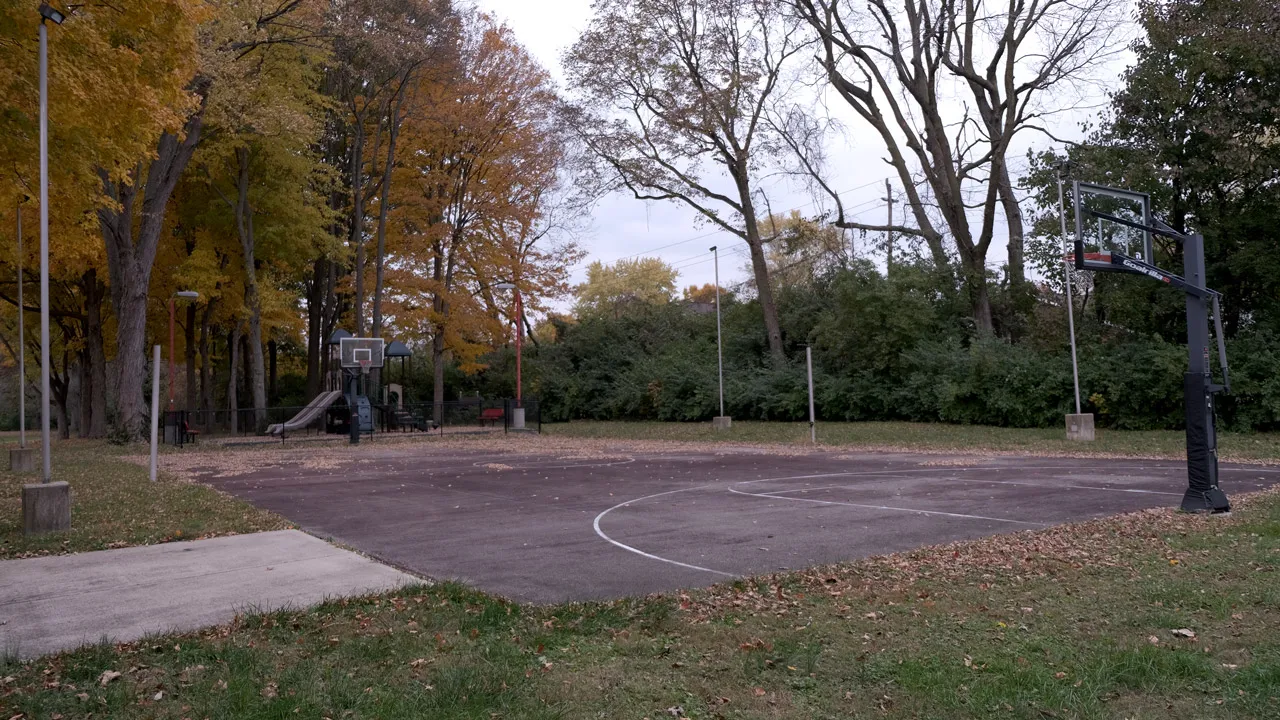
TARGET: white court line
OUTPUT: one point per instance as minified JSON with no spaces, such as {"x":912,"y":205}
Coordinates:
{"x":888,"y":507}
{"x":558,"y":467}
{"x":998,"y":482}
{"x":596,"y":525}
{"x":865,"y":473}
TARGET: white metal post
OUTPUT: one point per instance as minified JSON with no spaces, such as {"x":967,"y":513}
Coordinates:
{"x":22,"y":346}
{"x":155,"y":408}
{"x":47,"y":464}
{"x":719,"y":345}
{"x":1071,"y":315}
{"x":808,"y":361}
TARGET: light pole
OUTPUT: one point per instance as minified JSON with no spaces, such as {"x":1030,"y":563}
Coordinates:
{"x":517,"y":416}
{"x":186,"y":295}
{"x":721,"y":421}
{"x":47,"y":14}
{"x":47,"y":506}
{"x":22,"y":339}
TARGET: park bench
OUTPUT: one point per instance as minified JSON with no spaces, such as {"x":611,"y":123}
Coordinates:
{"x":189,"y":435}
{"x":490,"y":415}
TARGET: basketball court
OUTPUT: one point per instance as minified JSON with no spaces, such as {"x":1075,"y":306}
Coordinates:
{"x":596,"y":525}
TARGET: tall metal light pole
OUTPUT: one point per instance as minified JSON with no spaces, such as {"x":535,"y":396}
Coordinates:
{"x":22,"y":339}
{"x":46,"y":506}
{"x":721,"y":421}
{"x":46,"y":14}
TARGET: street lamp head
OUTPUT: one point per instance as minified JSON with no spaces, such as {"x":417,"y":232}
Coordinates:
{"x":187,"y":294}
{"x":505,"y":286}
{"x":712,"y":249}
{"x":49,"y":13}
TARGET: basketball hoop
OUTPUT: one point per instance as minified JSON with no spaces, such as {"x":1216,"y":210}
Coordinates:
{"x":364,"y":365}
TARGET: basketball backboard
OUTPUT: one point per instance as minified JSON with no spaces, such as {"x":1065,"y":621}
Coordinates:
{"x":1110,"y":222}
{"x":361,"y":354}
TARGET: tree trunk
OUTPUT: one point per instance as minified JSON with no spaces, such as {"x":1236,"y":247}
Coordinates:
{"x":357,"y":220}
{"x":273,"y":390}
{"x":315,"y":323}
{"x":86,"y":387}
{"x":760,"y":267}
{"x":59,"y":388}
{"x":189,"y":337}
{"x":233,"y":377}
{"x":95,"y":391}
{"x":1013,"y":216}
{"x":442,"y":272}
{"x":383,"y":206}
{"x":252,"y":298}
{"x":329,"y":323}
{"x":206,"y":366}
{"x":975,"y":282}
{"x":131,"y":259}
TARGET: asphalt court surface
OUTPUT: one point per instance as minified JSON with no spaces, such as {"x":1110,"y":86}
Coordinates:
{"x":546,"y":528}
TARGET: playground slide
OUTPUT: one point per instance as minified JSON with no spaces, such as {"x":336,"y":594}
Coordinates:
{"x":308,"y":414}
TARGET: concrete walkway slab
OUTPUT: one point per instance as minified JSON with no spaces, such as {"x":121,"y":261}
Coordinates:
{"x":51,"y":604}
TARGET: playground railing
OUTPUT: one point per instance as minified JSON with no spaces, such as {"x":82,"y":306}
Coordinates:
{"x":470,"y":415}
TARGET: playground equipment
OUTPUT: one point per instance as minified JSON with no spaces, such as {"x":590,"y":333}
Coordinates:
{"x":308,"y":415}
{"x":1114,"y":231}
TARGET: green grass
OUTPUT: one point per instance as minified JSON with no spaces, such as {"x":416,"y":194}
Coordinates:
{"x":932,"y":437}
{"x":1052,"y":624}
{"x":114,"y":504}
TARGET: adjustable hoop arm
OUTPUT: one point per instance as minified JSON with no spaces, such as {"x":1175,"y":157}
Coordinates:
{"x":1136,"y":266}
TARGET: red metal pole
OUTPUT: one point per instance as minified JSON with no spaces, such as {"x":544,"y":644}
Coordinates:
{"x":519,"y":343}
{"x":171,"y":345}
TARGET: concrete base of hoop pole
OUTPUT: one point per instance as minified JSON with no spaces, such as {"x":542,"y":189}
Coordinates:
{"x":722,"y":422}
{"x":517,"y":418}
{"x":22,"y":460}
{"x":1080,"y":427}
{"x":46,"y":508}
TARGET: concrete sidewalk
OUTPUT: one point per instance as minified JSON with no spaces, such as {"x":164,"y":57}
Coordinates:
{"x":59,"y":603}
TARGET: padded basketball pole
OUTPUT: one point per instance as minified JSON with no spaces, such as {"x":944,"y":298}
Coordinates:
{"x":353,"y":404}
{"x":1203,"y":493}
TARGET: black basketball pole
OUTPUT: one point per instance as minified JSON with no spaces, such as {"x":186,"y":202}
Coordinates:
{"x":353,"y":405}
{"x":1203,"y":493}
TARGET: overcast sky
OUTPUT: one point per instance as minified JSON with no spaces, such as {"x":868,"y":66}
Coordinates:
{"x":625,"y":227}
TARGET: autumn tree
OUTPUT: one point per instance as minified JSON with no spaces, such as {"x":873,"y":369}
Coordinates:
{"x":803,"y":248}
{"x":687,"y":101}
{"x":263,"y":121}
{"x":609,"y":288}
{"x":472,"y":198}
{"x":705,"y":293}
{"x":895,"y":63}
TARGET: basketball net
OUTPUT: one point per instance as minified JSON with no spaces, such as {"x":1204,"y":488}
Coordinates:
{"x":364,"y":365}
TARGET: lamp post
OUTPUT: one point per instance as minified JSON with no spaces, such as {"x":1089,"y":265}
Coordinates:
{"x":22,"y":339}
{"x":721,"y":421}
{"x":186,"y":295}
{"x":517,"y":417}
{"x":46,"y":506}
{"x":47,"y":14}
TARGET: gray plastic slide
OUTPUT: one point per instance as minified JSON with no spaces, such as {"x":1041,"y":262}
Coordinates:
{"x":308,"y":414}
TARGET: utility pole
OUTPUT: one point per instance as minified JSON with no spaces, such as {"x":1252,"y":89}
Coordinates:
{"x":721,"y":421}
{"x":888,"y":242}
